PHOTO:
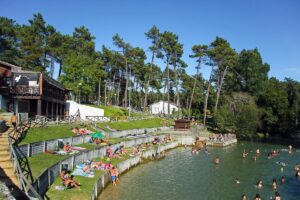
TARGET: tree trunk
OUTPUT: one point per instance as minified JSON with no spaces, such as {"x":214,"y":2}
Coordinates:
{"x":177,"y":93}
{"x":147,"y":85}
{"x":168,"y":87}
{"x":193,"y":91}
{"x":99,"y":91}
{"x":126,"y":85}
{"x":220,"y":88}
{"x":206,"y":98}
{"x":105,"y":97}
{"x":60,"y":68}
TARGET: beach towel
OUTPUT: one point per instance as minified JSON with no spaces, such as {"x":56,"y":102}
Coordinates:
{"x":80,"y":172}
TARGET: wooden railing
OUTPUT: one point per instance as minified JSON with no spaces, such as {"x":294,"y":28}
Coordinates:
{"x":24,"y":90}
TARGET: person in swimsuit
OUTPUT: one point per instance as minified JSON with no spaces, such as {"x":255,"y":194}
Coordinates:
{"x":277,"y":196}
{"x":113,"y":176}
{"x":244,"y":197}
{"x":274,"y":183}
{"x":257,"y":197}
{"x":14,"y":120}
{"x":259,"y":184}
{"x":217,"y":160}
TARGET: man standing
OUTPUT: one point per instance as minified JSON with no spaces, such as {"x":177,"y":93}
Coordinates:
{"x":14,"y":120}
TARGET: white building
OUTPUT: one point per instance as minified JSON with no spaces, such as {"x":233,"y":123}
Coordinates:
{"x":161,"y":107}
{"x":72,"y":108}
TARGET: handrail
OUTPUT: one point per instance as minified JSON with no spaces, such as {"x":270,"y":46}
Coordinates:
{"x":24,"y":184}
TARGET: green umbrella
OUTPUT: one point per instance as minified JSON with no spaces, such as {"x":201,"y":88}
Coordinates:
{"x":98,"y":135}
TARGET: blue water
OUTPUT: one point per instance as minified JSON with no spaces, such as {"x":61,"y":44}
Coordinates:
{"x":181,"y":175}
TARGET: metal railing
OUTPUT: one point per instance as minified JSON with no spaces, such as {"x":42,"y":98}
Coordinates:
{"x":24,"y":184}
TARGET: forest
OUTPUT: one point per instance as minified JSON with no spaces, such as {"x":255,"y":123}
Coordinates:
{"x":239,"y":96}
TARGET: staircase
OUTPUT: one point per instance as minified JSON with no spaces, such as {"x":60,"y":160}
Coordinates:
{"x":7,"y":174}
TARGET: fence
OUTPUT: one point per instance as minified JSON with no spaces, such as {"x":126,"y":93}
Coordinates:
{"x":40,"y":147}
{"x":24,"y":184}
{"x":104,"y":180}
{"x":46,"y":179}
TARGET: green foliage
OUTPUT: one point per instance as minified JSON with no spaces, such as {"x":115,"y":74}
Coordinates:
{"x":239,"y":115}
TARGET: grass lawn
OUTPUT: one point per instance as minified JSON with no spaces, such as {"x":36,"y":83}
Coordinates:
{"x":40,"y":162}
{"x":136,"y":124}
{"x":112,"y":111}
{"x":87,"y":185}
{"x":49,"y":132}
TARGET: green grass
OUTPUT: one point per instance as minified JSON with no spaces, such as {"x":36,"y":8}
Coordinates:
{"x":49,"y":132}
{"x":111,"y":111}
{"x":40,"y":162}
{"x":87,"y":185}
{"x":136,"y":124}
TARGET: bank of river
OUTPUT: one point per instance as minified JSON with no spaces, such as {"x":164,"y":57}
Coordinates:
{"x":182,"y":175}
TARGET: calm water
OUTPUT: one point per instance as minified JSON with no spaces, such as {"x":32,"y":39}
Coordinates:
{"x":181,"y":175}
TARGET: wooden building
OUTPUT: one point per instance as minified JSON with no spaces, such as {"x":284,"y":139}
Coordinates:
{"x":30,"y":92}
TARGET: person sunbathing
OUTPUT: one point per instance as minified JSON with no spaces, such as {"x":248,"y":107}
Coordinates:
{"x":70,"y":182}
{"x":67,"y":148}
{"x":75,"y":130}
{"x":96,"y":165}
{"x":64,"y":175}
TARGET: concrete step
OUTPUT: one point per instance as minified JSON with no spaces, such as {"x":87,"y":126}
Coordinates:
{"x":7,"y":173}
{"x":4,"y":147}
{"x":6,"y":165}
{"x":4,"y":153}
{"x":4,"y":158}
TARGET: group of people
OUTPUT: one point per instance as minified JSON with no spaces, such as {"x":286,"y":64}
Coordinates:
{"x":221,"y":137}
{"x":117,"y":153}
{"x":259,"y":183}
{"x":81,"y":131}
{"x":68,"y":180}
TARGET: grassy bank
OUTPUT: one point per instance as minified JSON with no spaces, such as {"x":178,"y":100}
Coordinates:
{"x":87,"y":185}
{"x":136,"y":124}
{"x":50,"y":132}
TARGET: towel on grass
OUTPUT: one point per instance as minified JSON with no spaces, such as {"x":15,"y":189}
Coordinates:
{"x":80,"y":172}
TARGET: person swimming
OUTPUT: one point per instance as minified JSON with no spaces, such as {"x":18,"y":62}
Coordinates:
{"x":257,"y":151}
{"x":282,"y":180}
{"x":274,"y":184}
{"x":244,"y":197}
{"x":217,"y":160}
{"x":257,"y":197}
{"x":277,"y":196}
{"x":259,"y":184}
{"x":237,"y":181}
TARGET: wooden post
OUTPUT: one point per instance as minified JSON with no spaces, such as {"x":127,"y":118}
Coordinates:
{"x":39,"y":107}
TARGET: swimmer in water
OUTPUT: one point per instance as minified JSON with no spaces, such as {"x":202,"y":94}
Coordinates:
{"x":254,"y":158}
{"x":259,"y":184}
{"x":277,"y":196}
{"x":290,"y":149}
{"x":244,"y":197}
{"x":244,"y":155}
{"x":274,"y":183}
{"x":217,"y":160}
{"x":257,"y":152}
{"x":237,"y":181}
{"x":282,"y":180}
{"x":257,"y":197}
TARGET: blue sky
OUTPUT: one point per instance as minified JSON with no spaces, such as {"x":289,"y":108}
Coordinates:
{"x":272,"y":26}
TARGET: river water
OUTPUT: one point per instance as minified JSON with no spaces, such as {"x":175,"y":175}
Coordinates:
{"x":181,"y":175}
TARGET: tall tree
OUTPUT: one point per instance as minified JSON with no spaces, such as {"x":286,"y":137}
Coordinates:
{"x":32,"y":44}
{"x":168,"y":44}
{"x":8,"y":41}
{"x":200,"y":51}
{"x":154,"y":35}
{"x":125,"y":47}
{"x":224,"y":57}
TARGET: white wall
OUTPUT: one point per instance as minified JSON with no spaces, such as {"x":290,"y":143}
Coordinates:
{"x":162,"y":107}
{"x":72,"y":107}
